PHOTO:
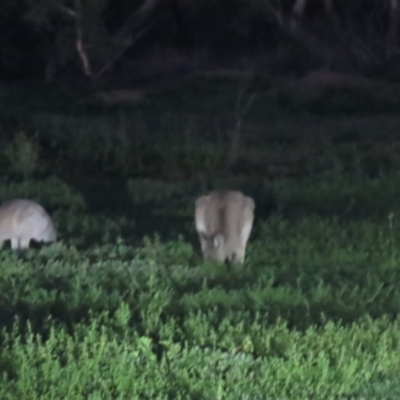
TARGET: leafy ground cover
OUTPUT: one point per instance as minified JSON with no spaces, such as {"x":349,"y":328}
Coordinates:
{"x":123,"y":307}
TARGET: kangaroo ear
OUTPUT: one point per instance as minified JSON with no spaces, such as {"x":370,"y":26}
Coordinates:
{"x":219,"y":240}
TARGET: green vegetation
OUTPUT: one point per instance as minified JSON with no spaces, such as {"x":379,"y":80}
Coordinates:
{"x":123,"y":307}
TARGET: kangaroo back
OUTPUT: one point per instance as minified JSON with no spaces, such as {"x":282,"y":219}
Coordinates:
{"x":224,"y":220}
{"x":23,"y":220}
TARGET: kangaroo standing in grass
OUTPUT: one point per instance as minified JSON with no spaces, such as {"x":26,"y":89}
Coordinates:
{"x":224,"y":220}
{"x":23,"y":220}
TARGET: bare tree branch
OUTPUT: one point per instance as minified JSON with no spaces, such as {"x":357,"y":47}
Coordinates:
{"x":79,"y":40}
{"x":67,"y":10}
{"x":138,"y":18}
{"x":127,"y":45}
{"x":242,"y":108}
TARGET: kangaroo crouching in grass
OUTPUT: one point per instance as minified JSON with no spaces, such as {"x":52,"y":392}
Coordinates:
{"x":24,"y":220}
{"x":224,"y":220}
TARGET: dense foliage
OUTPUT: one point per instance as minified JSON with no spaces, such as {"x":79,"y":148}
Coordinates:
{"x":312,"y":313}
{"x":123,"y":307}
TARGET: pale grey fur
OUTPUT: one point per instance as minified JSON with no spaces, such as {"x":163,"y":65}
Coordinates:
{"x":224,"y":220}
{"x":23,"y":220}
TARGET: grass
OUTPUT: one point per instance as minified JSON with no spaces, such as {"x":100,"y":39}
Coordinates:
{"x":123,"y":307}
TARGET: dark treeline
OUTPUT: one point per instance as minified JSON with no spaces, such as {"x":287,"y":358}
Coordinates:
{"x":55,"y":39}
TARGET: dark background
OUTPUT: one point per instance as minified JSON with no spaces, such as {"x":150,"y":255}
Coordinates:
{"x":131,"y":39}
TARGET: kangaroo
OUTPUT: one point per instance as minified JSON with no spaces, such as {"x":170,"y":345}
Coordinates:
{"x":224,"y":220}
{"x":23,"y":220}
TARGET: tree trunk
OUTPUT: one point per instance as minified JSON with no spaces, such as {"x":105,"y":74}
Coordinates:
{"x":183,"y":35}
{"x":297,"y":13}
{"x":391,"y":39}
{"x":80,"y":47}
